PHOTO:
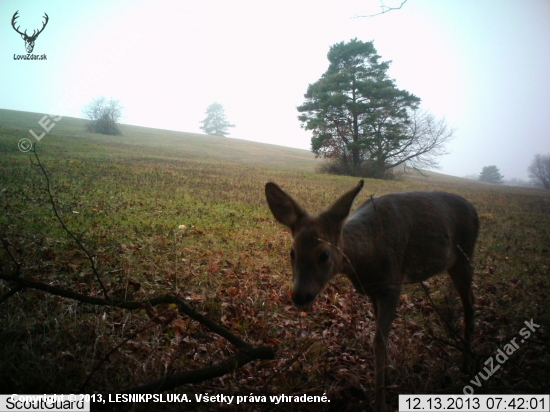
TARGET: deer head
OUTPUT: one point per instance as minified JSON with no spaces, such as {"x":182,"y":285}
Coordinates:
{"x":29,"y":40}
{"x":316,"y":255}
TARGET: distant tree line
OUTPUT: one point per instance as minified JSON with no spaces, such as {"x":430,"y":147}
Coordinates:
{"x":539,"y":174}
{"x":105,"y":114}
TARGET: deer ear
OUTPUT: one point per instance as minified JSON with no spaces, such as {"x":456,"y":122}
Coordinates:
{"x":341,"y":208}
{"x":284,"y":208}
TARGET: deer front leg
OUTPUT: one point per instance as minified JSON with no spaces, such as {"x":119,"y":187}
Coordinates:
{"x":385,"y":305}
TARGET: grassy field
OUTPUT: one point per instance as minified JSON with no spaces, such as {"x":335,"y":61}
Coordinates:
{"x":169,"y":212}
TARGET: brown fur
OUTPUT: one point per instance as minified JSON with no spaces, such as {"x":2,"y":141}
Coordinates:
{"x":386,"y":242}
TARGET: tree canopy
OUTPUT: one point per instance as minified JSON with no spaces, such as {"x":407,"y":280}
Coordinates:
{"x":491,"y":174}
{"x":360,"y":119}
{"x":216,"y":122}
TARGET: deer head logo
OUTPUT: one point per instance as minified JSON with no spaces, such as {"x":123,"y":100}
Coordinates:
{"x":29,"y":40}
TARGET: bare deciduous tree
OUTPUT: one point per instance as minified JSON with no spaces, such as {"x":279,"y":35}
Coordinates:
{"x":104,"y":115}
{"x":425,"y":142}
{"x":539,"y":170}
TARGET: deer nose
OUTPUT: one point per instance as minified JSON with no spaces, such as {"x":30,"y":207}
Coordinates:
{"x":302,"y":298}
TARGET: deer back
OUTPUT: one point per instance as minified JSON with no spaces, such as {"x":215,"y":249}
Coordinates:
{"x":407,"y":237}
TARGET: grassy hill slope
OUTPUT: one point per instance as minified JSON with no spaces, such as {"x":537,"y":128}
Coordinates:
{"x":175,"y":145}
{"x":174,"y":213}
{"x":171,"y":144}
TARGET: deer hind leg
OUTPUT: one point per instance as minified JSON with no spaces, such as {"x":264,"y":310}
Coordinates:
{"x":385,"y":305}
{"x":461,"y":275}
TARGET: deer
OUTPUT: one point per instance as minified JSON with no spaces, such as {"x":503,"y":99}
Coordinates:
{"x":29,"y":40}
{"x":388,"y":241}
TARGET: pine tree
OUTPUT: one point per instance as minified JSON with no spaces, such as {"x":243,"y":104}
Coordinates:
{"x":216,"y":123}
{"x":359,"y":117}
{"x":491,"y":174}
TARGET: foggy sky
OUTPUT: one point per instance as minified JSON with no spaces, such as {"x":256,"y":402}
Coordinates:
{"x":483,"y":66}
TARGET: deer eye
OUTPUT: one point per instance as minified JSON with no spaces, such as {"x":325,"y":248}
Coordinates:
{"x":323,"y":256}
{"x":292,"y":254}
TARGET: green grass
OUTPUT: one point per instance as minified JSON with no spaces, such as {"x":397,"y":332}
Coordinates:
{"x":136,"y":143}
{"x":127,"y":197}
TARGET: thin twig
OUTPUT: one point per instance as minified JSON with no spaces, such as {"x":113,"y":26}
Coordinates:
{"x":247,"y":352}
{"x":196,"y":376}
{"x":71,"y":234}
{"x":11,"y":292}
{"x":305,"y":347}
{"x":456,"y":336}
{"x":15,"y":262}
{"x":133,"y":305}
{"x":384,"y":8}
{"x":148,"y":325}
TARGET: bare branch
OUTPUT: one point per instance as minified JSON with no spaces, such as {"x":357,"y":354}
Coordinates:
{"x":384,"y":8}
{"x":11,"y":292}
{"x":427,"y":139}
{"x":539,"y":170}
{"x":158,"y":300}
{"x":71,"y":234}
{"x":247,"y":352}
{"x":15,"y":262}
{"x":131,"y":336}
{"x":244,"y":356}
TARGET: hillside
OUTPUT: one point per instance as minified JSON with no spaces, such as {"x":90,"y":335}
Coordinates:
{"x":192,"y":146}
{"x":171,"y":144}
{"x":164,"y":213}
